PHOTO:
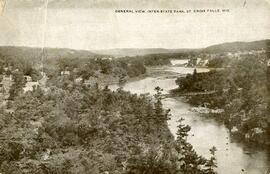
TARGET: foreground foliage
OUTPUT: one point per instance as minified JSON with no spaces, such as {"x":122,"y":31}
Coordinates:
{"x":76,"y":128}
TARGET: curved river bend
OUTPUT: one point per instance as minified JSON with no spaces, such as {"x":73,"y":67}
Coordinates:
{"x":232,"y":157}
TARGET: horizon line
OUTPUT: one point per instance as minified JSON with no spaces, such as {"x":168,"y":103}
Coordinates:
{"x":115,"y":48}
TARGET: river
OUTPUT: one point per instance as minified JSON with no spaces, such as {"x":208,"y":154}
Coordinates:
{"x":232,"y":157}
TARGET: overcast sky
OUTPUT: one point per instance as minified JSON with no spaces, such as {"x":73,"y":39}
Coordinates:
{"x":93,"y":24}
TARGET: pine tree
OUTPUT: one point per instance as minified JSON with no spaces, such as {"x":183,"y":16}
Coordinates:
{"x":190,"y":162}
{"x":211,"y":164}
{"x":161,"y":115}
{"x":158,"y":105}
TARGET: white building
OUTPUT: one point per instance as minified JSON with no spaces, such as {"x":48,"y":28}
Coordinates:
{"x":28,"y":78}
{"x":78,"y":80}
{"x":30,"y":86}
{"x":67,"y":73}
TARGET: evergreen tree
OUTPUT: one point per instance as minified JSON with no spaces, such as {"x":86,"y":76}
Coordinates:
{"x":211,"y":164}
{"x":161,"y":114}
{"x":190,"y":161}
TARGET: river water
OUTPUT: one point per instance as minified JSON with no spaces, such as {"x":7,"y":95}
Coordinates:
{"x":232,"y":157}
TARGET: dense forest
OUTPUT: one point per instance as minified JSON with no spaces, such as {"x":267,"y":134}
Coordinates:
{"x":160,"y":59}
{"x":241,"y":89}
{"x":70,"y":127}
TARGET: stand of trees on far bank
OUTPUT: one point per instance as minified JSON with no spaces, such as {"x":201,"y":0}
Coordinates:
{"x":241,"y":89}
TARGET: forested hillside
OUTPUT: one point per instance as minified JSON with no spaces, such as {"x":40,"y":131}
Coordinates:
{"x":47,"y":53}
{"x":71,"y":127}
{"x":238,"y":46}
{"x":241,"y":90}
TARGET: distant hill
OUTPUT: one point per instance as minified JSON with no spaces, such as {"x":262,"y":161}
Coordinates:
{"x":238,"y":46}
{"x":122,"y":52}
{"x":219,"y":48}
{"x":49,"y":53}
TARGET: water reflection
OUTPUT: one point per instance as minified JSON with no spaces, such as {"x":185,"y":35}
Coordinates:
{"x":232,"y":157}
{"x":179,"y":62}
{"x":205,"y":133}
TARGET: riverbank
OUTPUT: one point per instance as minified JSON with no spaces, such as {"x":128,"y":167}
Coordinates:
{"x":254,"y":137}
{"x":79,"y":125}
{"x":243,"y":102}
{"x":205,"y":132}
{"x":211,"y":104}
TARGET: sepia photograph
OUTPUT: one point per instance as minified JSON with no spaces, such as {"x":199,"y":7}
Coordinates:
{"x":134,"y":87}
